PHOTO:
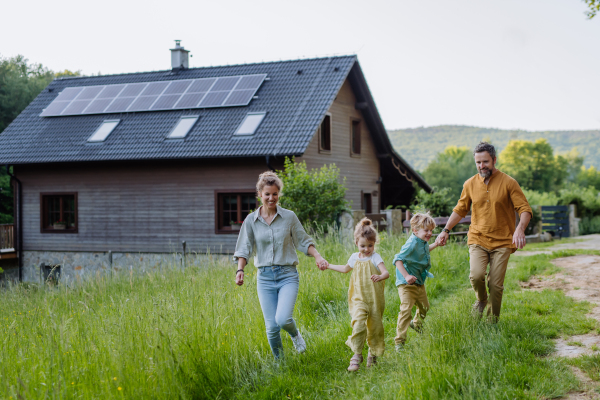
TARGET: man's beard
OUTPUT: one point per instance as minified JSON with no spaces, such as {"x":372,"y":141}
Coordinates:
{"x":485,"y":174}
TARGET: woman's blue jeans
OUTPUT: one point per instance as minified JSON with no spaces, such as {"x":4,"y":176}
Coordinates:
{"x":277,"y":288}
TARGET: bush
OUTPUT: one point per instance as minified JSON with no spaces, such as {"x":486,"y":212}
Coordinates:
{"x":587,"y":200}
{"x":317,"y":197}
{"x":540,"y":198}
{"x":439,"y":203}
{"x":589,"y":225}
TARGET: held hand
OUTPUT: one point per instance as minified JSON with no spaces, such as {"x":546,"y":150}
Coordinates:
{"x":519,"y":239}
{"x":411,"y":279}
{"x":322,"y":263}
{"x":239,"y":278}
{"x":442,"y":238}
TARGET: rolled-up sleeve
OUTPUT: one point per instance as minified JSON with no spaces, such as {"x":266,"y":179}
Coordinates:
{"x":464,"y":203}
{"x":518,"y":198}
{"x":404,"y":252}
{"x":245,"y":243}
{"x":299,"y":236}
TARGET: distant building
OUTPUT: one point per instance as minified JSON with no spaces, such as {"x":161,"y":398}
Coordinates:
{"x":137,"y":163}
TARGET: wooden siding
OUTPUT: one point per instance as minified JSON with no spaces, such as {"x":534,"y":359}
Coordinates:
{"x":362,"y":171}
{"x":136,"y":207}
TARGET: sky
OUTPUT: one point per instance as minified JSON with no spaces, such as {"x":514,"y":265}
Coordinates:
{"x":509,"y":64}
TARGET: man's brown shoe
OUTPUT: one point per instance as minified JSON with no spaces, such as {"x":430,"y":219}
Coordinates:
{"x":479,"y":308}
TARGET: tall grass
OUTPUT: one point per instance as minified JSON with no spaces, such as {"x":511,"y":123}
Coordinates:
{"x":195,"y":334}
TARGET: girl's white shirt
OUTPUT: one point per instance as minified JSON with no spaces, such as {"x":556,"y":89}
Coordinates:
{"x":375,"y":258}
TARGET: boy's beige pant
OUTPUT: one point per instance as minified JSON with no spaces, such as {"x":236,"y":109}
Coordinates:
{"x":410,"y":295}
{"x":498,"y":260}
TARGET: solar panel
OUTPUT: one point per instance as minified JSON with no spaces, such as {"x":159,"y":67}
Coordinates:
{"x":225,"y":91}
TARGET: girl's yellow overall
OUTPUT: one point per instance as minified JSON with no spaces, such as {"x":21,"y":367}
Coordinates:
{"x":366,"y":302}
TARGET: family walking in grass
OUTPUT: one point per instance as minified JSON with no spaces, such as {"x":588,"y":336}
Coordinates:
{"x":274,"y":234}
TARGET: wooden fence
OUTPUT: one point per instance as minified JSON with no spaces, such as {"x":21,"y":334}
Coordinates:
{"x":7,"y":237}
{"x":441,"y":222}
{"x":555,"y":219}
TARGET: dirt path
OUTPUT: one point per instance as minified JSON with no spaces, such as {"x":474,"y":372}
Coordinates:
{"x":579,"y":278}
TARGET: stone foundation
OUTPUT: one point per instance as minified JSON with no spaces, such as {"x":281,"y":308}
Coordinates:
{"x":75,"y":266}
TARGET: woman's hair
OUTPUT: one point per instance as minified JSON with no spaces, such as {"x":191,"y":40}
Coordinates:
{"x":268,"y":178}
{"x":365,"y":229}
{"x":422,"y":220}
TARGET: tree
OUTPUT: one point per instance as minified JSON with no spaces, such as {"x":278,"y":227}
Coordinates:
{"x":438,"y":202}
{"x":593,"y":8}
{"x":533,"y":165}
{"x":20,"y":83}
{"x":6,"y":198}
{"x":574,"y":163}
{"x":317,"y":197}
{"x":588,"y":177}
{"x":450,"y":169}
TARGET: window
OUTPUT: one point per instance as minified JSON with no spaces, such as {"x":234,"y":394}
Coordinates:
{"x":182,"y":128}
{"x":250,"y":123}
{"x":104,"y":130}
{"x":367,"y":203}
{"x":59,"y":212}
{"x":325,"y":134}
{"x":355,"y":137}
{"x":232,"y":208}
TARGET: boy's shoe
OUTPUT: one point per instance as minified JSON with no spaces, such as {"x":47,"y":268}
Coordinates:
{"x":299,"y":343}
{"x":371,"y":360}
{"x":399,"y":347}
{"x":418,"y":329}
{"x":355,"y":362}
{"x":479,"y":308}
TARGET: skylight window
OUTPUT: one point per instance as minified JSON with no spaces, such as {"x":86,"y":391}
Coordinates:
{"x":183,"y":127}
{"x":104,"y":130}
{"x":250,"y":123}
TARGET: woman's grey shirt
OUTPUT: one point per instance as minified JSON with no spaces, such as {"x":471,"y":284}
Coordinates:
{"x":275,"y":244}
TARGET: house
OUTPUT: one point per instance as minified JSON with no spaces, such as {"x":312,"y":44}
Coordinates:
{"x":138,"y":163}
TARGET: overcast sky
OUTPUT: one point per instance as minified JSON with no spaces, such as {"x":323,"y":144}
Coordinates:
{"x":527,"y":64}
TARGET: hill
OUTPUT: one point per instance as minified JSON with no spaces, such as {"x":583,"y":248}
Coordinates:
{"x":409,"y":142}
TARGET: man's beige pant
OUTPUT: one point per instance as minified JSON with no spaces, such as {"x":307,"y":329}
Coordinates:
{"x":410,"y":295}
{"x":498,"y":260}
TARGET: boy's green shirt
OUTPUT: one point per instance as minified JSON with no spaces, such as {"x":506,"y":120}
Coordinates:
{"x":416,"y":259}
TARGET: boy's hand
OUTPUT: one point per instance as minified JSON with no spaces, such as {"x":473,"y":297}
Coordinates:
{"x":411,"y":279}
{"x":376,"y":278}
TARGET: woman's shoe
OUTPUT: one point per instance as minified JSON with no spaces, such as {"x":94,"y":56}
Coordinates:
{"x":299,"y":343}
{"x":355,"y":362}
{"x":371,"y":360}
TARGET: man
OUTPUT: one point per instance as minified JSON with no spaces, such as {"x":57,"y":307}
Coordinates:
{"x":494,"y":197}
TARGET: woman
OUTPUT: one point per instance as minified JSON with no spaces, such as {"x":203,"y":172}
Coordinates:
{"x":275,"y":233}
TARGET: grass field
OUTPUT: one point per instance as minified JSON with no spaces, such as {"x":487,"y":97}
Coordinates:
{"x":195,"y":334}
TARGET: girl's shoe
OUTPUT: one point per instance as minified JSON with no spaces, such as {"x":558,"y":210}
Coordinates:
{"x":355,"y":362}
{"x":371,"y":360}
{"x":299,"y":343}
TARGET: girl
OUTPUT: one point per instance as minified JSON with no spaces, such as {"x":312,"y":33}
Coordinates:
{"x":365,"y":295}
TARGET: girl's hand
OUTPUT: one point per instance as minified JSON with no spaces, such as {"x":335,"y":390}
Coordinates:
{"x":322,"y":263}
{"x":411,"y":279}
{"x":377,"y":278}
{"x":239,"y":278}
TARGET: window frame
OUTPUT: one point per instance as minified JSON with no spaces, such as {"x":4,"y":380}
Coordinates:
{"x":320,"y":135}
{"x":44,"y":213}
{"x":262,"y":114}
{"x":116,"y":123}
{"x":179,"y":121}
{"x":358,"y":122}
{"x":219,"y":230}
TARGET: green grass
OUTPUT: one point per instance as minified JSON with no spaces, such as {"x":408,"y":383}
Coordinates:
{"x":545,"y":245}
{"x":590,"y":364}
{"x":195,"y":334}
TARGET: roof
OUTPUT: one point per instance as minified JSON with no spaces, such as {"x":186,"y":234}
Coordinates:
{"x":295,"y":97}
{"x":295,"y":103}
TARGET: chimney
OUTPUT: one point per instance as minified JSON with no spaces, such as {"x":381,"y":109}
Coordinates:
{"x":179,"y":57}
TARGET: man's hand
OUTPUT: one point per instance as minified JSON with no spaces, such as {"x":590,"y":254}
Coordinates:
{"x":519,"y":238}
{"x":411,"y":279}
{"x":441,"y":239}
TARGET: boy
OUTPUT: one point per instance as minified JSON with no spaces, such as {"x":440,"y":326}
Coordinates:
{"x":412,"y":268}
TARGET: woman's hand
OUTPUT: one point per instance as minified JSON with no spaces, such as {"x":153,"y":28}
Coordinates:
{"x":239,"y":278}
{"x":321,"y":263}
